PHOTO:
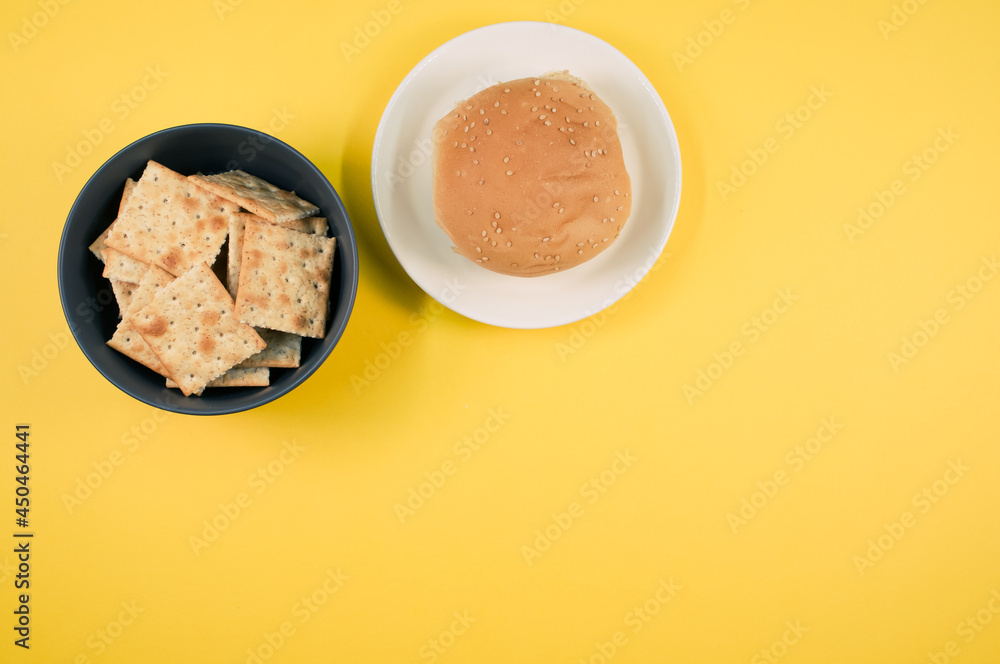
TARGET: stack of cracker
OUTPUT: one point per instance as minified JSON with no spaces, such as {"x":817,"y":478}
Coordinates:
{"x":178,"y":318}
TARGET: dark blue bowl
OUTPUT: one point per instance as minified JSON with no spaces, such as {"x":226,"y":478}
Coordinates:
{"x":86,"y":296}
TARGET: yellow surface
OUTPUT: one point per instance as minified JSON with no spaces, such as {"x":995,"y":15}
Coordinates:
{"x":744,"y":461}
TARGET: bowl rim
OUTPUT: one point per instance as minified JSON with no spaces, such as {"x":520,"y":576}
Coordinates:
{"x":339,"y":314}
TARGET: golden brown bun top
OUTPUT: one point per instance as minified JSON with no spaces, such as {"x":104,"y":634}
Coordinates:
{"x":529,"y":177}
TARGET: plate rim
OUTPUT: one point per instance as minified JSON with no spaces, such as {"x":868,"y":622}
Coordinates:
{"x":669,"y":216}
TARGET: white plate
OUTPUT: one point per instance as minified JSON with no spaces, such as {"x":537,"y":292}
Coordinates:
{"x":402,"y":178}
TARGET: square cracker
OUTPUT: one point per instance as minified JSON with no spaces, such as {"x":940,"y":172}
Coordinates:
{"x":126,"y":339}
{"x":151,"y":283}
{"x":237,"y":224}
{"x":123,"y":291}
{"x":171,"y":222}
{"x":283,"y":350}
{"x":238,"y":377}
{"x":97,"y":245}
{"x":121,"y":267}
{"x":256,"y":195}
{"x":191,"y":328}
{"x":285,"y":279}
{"x":311,"y":225}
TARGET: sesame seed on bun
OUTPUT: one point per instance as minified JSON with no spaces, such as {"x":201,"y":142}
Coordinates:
{"x":529,"y":177}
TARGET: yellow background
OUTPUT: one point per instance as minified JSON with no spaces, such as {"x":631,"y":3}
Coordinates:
{"x":813,"y":575}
